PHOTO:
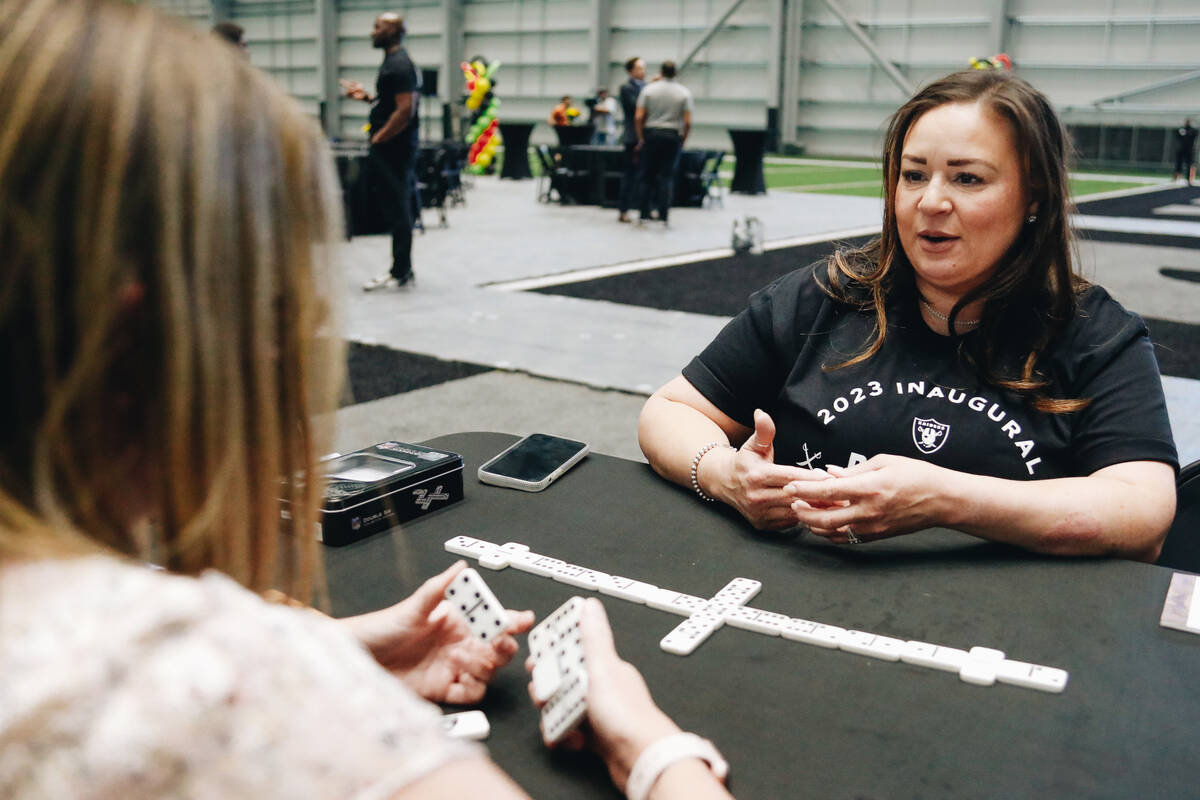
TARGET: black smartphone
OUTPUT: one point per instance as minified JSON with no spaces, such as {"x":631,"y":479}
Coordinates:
{"x":533,"y":463}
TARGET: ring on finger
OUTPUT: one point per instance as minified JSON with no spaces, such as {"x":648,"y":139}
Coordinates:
{"x":851,"y":537}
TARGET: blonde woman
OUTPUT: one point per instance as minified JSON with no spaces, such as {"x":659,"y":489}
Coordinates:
{"x":165,"y":343}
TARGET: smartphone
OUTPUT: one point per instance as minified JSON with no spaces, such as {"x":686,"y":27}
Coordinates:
{"x":533,"y":463}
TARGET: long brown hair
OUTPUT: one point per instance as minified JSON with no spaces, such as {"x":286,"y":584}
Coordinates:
{"x":166,"y":219}
{"x":1032,"y":295}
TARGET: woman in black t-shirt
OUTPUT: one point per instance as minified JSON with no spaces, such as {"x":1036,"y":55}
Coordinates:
{"x":954,"y":372}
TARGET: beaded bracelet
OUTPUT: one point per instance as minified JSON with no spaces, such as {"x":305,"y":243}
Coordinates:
{"x":695,"y":465}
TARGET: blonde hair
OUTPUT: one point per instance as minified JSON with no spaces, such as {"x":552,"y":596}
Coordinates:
{"x":166,"y":219}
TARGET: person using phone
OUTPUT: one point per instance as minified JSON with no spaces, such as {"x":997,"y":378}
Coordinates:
{"x":165,"y":309}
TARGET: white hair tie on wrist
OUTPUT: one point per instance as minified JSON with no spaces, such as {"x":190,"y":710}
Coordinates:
{"x":655,"y":759}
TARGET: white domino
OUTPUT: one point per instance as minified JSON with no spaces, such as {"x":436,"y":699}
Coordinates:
{"x":988,"y":655}
{"x":884,"y":648}
{"x":757,"y":620}
{"x":580,"y":577}
{"x":463,"y":546}
{"x":821,"y":635}
{"x":1031,"y":676}
{"x":556,"y":641}
{"x":547,"y":677}
{"x":486,"y":618}
{"x":676,"y":602}
{"x":738,"y":591}
{"x":494,"y":560}
{"x":932,"y":656}
{"x":544,"y":566}
{"x":466,"y":725}
{"x":627,"y":589}
{"x":979,"y":673}
{"x":689,"y":634}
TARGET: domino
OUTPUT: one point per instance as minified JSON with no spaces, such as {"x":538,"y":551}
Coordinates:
{"x":577,"y":576}
{"x":689,"y":634}
{"x":979,"y":673}
{"x":924,"y":654}
{"x":627,"y":589}
{"x":821,"y":635}
{"x":494,"y":560}
{"x":1032,"y":676}
{"x":547,"y":677}
{"x":738,"y":591}
{"x":556,"y":642}
{"x":544,"y":566}
{"x":466,"y":725}
{"x":986,"y":654}
{"x":757,"y":620}
{"x":676,"y":602}
{"x":462,"y":546}
{"x":884,"y":648}
{"x":486,"y":618}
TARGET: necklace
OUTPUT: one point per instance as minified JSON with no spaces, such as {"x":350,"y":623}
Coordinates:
{"x":958,"y":322}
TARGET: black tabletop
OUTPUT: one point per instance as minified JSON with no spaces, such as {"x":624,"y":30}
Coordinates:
{"x":796,"y":720}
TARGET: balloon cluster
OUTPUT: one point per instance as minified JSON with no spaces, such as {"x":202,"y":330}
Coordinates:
{"x":484,"y":134}
{"x":998,"y":61}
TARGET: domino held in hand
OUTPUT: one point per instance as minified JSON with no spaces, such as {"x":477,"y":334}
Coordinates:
{"x":485,"y":616}
{"x":559,"y":673}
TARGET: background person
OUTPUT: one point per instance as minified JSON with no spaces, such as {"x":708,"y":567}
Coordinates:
{"x":172,"y":335}
{"x":561,"y":114}
{"x":636,"y":69}
{"x":955,"y":372}
{"x":233,"y":33}
{"x":1185,"y":152}
{"x":604,"y":113}
{"x":663,"y":121}
{"x":395,"y":140}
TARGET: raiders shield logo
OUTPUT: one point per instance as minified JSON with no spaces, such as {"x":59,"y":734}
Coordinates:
{"x":929,"y":435}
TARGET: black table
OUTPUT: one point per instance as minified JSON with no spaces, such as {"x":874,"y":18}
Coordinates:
{"x":515,"y":136}
{"x":796,"y":720}
{"x":597,"y":171}
{"x":748,"y":148}
{"x":570,"y":135}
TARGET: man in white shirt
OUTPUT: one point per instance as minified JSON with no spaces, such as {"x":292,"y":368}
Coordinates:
{"x":604,"y":114}
{"x":663,"y":121}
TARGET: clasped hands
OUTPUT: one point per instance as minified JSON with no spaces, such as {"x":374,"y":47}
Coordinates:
{"x":883,"y":497}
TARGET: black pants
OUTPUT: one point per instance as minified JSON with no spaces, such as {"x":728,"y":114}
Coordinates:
{"x":627,"y":196}
{"x":659,"y":157}
{"x":396,"y":183}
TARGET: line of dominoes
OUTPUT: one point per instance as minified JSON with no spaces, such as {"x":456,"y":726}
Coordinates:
{"x":982,"y":666}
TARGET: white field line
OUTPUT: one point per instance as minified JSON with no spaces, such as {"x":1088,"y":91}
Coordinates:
{"x":642,"y":265}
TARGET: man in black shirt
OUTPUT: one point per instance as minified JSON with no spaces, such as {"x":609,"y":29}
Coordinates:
{"x":630,"y":90}
{"x":1185,"y":148}
{"x":394,"y":140}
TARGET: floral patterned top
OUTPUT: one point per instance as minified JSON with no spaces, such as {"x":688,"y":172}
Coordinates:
{"x":121,"y":681}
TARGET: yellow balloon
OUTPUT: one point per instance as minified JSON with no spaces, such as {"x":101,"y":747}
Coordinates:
{"x":473,"y":102}
{"x":484,"y":159}
{"x":478,"y":67}
{"x":483,"y":85}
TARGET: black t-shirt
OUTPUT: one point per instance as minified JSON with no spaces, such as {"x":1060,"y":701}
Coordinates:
{"x":397,"y":75}
{"x":1185,"y":140}
{"x":915,"y":398}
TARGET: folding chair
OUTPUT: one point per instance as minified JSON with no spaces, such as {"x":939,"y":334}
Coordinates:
{"x":710,"y":179}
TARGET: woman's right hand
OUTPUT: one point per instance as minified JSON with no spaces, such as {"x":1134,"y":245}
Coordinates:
{"x":749,"y":479}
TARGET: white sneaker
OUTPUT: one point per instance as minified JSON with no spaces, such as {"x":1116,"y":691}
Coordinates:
{"x":385,"y":282}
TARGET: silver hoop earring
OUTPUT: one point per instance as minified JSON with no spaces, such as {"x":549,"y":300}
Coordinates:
{"x":1032,"y":218}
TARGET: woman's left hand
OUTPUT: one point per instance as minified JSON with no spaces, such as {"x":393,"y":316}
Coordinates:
{"x":880,"y":498}
{"x":423,"y":641}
